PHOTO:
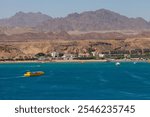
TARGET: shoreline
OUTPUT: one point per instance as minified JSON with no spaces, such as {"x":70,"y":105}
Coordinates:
{"x":55,"y":61}
{"x":73,"y":61}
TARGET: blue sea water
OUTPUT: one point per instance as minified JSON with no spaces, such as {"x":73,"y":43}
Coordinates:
{"x":76,"y":81}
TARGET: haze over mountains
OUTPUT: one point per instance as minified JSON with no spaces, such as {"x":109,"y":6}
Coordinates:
{"x":87,"y":21}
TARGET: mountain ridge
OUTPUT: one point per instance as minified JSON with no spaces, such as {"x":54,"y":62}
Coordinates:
{"x":22,"y":19}
{"x":98,"y":20}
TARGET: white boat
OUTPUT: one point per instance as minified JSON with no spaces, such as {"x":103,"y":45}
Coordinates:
{"x":117,"y":63}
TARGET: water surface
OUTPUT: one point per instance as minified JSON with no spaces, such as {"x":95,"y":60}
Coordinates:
{"x":76,"y":81}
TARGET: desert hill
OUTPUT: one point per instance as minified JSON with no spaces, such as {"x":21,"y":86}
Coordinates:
{"x":17,"y":49}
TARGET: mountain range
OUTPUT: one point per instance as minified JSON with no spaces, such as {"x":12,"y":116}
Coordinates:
{"x":99,"y":20}
{"x":22,"y":19}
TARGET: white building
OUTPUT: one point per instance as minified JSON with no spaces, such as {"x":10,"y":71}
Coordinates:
{"x":101,"y":55}
{"x":94,"y":53}
{"x":54,"y":54}
{"x":68,"y":56}
{"x":83,"y":55}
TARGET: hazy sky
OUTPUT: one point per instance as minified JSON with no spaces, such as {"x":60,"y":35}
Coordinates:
{"x":57,"y":8}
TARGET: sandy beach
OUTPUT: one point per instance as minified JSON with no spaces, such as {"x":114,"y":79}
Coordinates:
{"x":59,"y":61}
{"x":78,"y":61}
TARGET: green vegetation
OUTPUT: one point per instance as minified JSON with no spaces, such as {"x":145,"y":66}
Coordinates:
{"x":86,"y":58}
{"x":40,"y":55}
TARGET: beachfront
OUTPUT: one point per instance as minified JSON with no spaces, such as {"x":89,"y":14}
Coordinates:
{"x":77,"y":61}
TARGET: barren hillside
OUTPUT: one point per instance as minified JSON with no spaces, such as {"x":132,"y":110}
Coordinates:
{"x":15,"y":49}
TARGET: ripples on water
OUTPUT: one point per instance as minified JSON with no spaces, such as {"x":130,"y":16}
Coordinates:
{"x":76,"y":81}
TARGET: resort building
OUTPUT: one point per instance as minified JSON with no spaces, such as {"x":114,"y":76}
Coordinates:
{"x":101,"y":55}
{"x":83,"y":55}
{"x":68,"y":56}
{"x":55,"y":54}
{"x":93,"y":53}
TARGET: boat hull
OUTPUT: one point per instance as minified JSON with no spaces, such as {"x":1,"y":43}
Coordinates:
{"x":32,"y":74}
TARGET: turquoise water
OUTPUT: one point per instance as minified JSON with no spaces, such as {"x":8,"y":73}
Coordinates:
{"x":76,"y":81}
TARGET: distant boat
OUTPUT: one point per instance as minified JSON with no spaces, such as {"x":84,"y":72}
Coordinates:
{"x":117,"y":64}
{"x":31,"y":74}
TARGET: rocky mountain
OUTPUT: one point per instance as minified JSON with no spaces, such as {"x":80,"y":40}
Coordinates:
{"x":94,"y":21}
{"x":22,"y":19}
{"x":87,"y":21}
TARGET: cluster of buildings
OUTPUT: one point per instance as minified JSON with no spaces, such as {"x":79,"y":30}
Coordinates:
{"x":64,"y":56}
{"x":67,"y":56}
{"x":113,"y":54}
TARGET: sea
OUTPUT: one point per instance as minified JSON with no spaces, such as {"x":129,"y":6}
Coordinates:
{"x":76,"y":81}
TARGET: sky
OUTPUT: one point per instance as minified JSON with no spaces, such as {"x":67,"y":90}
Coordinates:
{"x":61,"y":8}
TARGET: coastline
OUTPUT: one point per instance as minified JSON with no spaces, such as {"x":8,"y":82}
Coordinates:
{"x":73,"y":61}
{"x":54,"y":61}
